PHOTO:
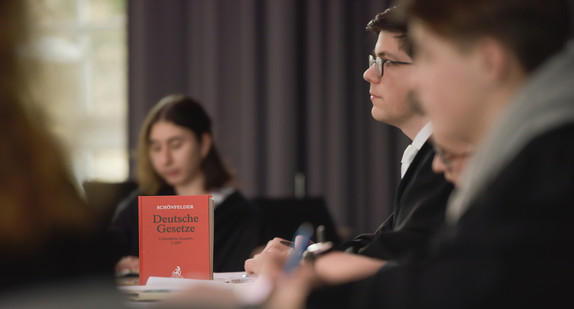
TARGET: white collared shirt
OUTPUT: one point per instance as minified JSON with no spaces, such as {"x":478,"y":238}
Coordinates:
{"x":412,"y":149}
{"x":220,"y":195}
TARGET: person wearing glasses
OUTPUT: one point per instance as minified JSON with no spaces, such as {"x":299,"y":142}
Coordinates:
{"x":497,"y":74}
{"x":451,"y":157}
{"x":422,"y":195}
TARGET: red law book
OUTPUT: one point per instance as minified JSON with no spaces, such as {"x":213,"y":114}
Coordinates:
{"x":176,"y":236}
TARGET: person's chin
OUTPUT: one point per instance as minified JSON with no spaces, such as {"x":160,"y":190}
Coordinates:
{"x":451,"y":178}
{"x":377,"y":114}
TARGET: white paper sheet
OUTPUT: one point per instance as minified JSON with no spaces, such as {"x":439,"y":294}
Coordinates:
{"x":158,"y":288}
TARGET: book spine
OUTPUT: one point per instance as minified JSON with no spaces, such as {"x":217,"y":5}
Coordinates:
{"x":140,"y":227}
{"x":211,"y":204}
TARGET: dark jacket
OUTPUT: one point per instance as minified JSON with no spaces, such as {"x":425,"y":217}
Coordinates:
{"x":510,"y":249}
{"x":418,"y":213}
{"x":238,"y":229}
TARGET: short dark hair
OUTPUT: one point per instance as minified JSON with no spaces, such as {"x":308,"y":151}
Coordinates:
{"x":393,"y":20}
{"x":188,"y":113}
{"x":532,"y":29}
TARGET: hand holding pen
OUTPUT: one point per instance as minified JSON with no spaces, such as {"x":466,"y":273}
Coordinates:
{"x":314,"y":250}
{"x":276,"y":248}
{"x":281,"y":248}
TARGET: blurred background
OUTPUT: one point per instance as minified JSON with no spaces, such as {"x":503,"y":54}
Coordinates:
{"x":282,"y":80}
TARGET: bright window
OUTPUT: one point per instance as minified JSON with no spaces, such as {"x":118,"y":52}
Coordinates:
{"x":79,"y":48}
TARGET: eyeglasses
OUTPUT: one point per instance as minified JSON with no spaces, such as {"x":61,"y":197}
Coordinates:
{"x":448,"y":158}
{"x":380,"y":64}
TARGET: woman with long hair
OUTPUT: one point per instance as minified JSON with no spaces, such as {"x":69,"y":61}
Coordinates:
{"x":177,"y":156}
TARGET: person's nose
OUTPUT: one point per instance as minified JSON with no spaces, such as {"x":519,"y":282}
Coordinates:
{"x":166,"y":157}
{"x":413,"y":80}
{"x":438,"y":166}
{"x":370,"y":75}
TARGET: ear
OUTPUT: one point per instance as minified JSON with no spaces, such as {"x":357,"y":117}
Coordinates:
{"x":495,"y":60}
{"x":205,"y":146}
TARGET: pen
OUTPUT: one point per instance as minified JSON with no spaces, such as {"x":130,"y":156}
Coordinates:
{"x":320,"y":234}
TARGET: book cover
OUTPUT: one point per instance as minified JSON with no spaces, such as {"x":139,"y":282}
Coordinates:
{"x":176,"y":237}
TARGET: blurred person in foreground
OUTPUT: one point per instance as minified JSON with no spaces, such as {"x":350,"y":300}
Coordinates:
{"x":419,"y":206}
{"x":52,"y":248}
{"x":451,"y":157}
{"x":499,"y":75}
{"x":177,"y":156}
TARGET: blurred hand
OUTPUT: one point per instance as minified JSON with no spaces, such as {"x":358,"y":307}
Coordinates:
{"x":339,"y":267}
{"x":275,"y":250}
{"x":291,"y":291}
{"x":128,"y":264}
{"x":202,"y":297}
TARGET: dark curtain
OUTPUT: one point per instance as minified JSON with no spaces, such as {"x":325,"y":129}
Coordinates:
{"x":282,"y":80}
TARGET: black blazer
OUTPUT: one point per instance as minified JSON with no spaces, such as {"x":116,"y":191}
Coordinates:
{"x":418,"y":213}
{"x":511,"y":249}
